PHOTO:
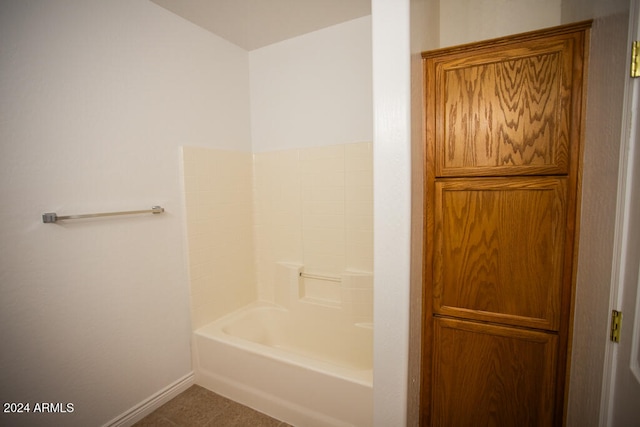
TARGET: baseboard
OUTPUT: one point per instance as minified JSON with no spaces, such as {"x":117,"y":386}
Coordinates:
{"x":146,"y":407}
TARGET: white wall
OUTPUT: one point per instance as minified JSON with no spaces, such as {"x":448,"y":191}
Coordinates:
{"x":580,"y":10}
{"x":313,"y":90}
{"x":425,"y":35}
{"x":466,"y":21}
{"x":392,"y":208}
{"x":96,"y":97}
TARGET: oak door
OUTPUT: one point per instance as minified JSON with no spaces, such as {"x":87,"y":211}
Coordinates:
{"x":503,"y":141}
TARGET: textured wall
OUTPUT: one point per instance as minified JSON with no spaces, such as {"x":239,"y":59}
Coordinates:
{"x":466,"y":21}
{"x":605,"y":93}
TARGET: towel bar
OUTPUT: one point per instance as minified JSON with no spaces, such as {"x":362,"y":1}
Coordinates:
{"x":52,"y":217}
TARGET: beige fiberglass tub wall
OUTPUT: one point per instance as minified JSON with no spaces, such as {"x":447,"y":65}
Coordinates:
{"x":280,"y":261}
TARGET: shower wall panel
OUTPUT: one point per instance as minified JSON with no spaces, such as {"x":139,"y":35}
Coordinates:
{"x":313,"y":206}
{"x":218,"y":199}
{"x":247,"y":212}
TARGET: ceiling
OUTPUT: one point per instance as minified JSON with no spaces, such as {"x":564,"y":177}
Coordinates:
{"x":252,"y":24}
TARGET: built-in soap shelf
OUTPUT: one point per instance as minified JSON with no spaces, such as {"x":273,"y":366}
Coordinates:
{"x":350,"y":292}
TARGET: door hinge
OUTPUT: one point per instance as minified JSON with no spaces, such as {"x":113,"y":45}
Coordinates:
{"x":616,"y":324}
{"x":635,"y":59}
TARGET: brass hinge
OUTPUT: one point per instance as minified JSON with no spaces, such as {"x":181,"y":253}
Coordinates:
{"x":616,"y":324}
{"x":635,"y":59}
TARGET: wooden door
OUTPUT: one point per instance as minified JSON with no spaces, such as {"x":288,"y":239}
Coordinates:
{"x":503,"y":142}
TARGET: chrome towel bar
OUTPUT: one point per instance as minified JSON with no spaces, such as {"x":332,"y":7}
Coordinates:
{"x":53,"y":217}
{"x":319,"y":277}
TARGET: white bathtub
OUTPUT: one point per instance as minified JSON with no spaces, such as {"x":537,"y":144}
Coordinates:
{"x":306,"y":366}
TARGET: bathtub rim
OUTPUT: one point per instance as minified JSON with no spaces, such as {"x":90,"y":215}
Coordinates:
{"x":215,"y":331}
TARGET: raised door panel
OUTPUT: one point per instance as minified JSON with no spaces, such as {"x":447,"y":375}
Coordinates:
{"x":499,"y":248}
{"x":507,"y":111}
{"x":487,"y":375}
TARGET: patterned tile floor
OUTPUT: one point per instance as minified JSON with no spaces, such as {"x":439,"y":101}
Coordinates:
{"x":200,"y":407}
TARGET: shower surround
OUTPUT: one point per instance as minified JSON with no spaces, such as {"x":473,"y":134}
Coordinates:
{"x":248,"y":214}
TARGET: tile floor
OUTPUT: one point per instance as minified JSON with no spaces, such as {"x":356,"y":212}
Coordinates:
{"x":200,"y":407}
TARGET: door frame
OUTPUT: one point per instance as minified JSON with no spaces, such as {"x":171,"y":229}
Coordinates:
{"x":630,"y":125}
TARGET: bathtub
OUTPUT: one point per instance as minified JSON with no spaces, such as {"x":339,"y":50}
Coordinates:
{"x":307,"y":365}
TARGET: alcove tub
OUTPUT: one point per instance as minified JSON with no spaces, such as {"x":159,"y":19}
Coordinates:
{"x":307,"y":365}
